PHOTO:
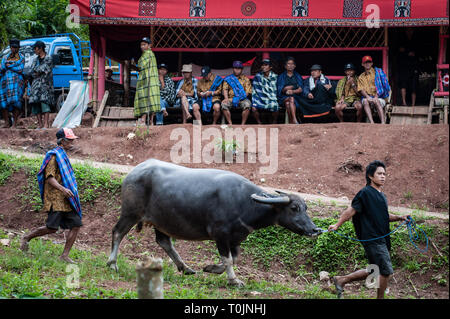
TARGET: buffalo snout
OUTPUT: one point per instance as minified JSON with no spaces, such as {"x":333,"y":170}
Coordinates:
{"x":315,"y":232}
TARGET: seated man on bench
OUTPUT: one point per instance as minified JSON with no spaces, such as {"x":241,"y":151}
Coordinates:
{"x":209,"y":91}
{"x":167,"y":92}
{"x":318,"y":94}
{"x":347,"y":94}
{"x":264,"y":94}
{"x":236,"y":89}
{"x":290,"y":89}
{"x":374,"y":87}
{"x":186,"y":92}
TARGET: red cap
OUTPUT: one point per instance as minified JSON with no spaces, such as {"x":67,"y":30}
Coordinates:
{"x":66,"y":133}
{"x":366,"y":59}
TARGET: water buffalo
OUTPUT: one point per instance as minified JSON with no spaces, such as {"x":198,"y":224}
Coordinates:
{"x":203,"y":204}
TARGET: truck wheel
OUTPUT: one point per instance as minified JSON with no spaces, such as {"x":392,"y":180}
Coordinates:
{"x":60,"y":101}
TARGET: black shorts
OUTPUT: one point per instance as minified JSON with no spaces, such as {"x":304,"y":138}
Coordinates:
{"x":65,"y":220}
{"x":378,"y":254}
{"x":409,"y":81}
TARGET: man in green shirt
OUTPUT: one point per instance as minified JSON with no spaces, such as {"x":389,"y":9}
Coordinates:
{"x":347,"y":94}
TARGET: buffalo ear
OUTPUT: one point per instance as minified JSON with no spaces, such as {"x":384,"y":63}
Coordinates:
{"x":279,"y":200}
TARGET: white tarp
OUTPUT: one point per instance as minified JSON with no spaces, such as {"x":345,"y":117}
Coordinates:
{"x":74,"y":106}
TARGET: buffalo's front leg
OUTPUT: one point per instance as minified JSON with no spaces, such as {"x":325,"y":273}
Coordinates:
{"x":232,"y":279}
{"x":226,"y":265}
{"x":164,"y":241}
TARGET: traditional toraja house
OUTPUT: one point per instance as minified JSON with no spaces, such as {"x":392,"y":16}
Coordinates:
{"x":215,"y":32}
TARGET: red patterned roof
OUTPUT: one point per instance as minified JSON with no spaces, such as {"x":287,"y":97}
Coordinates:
{"x":265,"y":12}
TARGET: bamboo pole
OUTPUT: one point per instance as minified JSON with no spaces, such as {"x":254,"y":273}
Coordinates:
{"x":126,"y":83}
{"x":430,"y":108}
{"x":149,"y":279}
{"x":91,"y":74}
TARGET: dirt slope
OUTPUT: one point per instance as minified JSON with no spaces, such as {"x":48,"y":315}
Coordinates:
{"x":326,"y":159}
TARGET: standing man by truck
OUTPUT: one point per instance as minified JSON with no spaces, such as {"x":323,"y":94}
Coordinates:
{"x":41,"y":93}
{"x":12,"y":83}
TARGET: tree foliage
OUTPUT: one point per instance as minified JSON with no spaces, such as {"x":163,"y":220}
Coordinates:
{"x":30,"y":18}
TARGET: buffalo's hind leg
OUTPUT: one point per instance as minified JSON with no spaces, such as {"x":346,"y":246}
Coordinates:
{"x":122,"y":228}
{"x":164,"y":241}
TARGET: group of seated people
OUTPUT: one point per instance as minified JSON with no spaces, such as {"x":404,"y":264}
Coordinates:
{"x":314,"y":96}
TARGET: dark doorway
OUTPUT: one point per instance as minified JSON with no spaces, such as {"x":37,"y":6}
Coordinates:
{"x":409,"y":47}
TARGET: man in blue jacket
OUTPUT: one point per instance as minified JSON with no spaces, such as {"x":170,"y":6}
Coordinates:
{"x":12,"y":83}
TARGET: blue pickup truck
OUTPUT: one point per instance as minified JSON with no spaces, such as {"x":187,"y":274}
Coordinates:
{"x":68,"y":52}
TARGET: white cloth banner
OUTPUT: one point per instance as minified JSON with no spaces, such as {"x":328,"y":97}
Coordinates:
{"x":74,"y":106}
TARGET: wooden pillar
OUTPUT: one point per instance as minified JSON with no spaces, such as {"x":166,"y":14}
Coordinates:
{"x":121,"y":73}
{"x":126,"y":83}
{"x":265,"y":55}
{"x":101,"y":68}
{"x":180,"y":61}
{"x":149,"y":279}
{"x":443,"y":38}
{"x":152,"y":35}
{"x":386,"y":52}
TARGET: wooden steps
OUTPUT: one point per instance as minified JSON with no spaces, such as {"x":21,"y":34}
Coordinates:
{"x":403,"y":115}
{"x":116,"y":116}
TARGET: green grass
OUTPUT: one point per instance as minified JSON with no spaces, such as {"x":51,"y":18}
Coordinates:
{"x":92,"y":182}
{"x":40,"y":274}
{"x":6,"y":169}
{"x":408,"y":195}
{"x":328,"y":252}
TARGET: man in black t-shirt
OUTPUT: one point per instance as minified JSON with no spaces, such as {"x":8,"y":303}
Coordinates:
{"x":370,"y":216}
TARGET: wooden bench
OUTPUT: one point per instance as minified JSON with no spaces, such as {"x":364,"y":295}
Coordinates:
{"x":113,"y":114}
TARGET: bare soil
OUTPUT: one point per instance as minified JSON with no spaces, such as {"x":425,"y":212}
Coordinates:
{"x":327,"y":159}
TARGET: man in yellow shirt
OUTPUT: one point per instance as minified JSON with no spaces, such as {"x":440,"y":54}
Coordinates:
{"x":236,"y":89}
{"x":59,"y":193}
{"x":209,"y":91}
{"x":368,"y":90}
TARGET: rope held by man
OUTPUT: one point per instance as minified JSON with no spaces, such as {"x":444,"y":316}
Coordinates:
{"x":412,"y":232}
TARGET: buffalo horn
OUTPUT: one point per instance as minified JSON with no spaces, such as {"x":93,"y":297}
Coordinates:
{"x":271,"y":200}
